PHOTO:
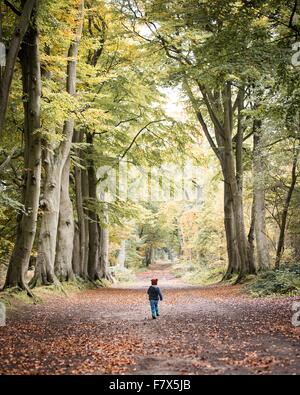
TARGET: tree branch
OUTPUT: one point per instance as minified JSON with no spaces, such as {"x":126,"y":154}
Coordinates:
{"x":12,"y":7}
{"x":201,"y":120}
{"x":137,"y":135}
{"x":211,"y":110}
{"x":292,"y":17}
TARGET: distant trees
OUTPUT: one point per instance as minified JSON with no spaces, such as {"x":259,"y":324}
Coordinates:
{"x":210,"y":53}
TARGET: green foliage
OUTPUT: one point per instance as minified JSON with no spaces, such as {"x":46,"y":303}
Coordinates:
{"x":199,"y":273}
{"x":124,"y":276}
{"x":283,"y":281}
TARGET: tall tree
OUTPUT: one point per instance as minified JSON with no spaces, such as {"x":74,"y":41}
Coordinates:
{"x":56,"y":158}
{"x":259,"y":202}
{"x":64,"y":247}
{"x":287,"y":202}
{"x":27,"y":219}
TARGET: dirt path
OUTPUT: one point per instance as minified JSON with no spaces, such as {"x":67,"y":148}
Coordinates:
{"x":209,"y":330}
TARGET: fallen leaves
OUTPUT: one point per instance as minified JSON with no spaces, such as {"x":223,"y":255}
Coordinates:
{"x":109,"y":331}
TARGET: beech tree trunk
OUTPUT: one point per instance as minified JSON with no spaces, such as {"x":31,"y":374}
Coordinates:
{"x":104,"y":246}
{"x":251,"y":237}
{"x":241,"y":239}
{"x":122,"y":255}
{"x":81,"y":176}
{"x":81,"y":192}
{"x":15,"y":44}
{"x":240,"y":171}
{"x":64,"y":249}
{"x":86,"y":235}
{"x":76,"y":252}
{"x":149,"y":255}
{"x":281,"y":239}
{"x":56,"y":159}
{"x":54,"y":162}
{"x":65,"y":233}
{"x":262,"y":250}
{"x":246,"y":266}
{"x":232,"y":252}
{"x":27,"y":220}
{"x":50,"y":203}
{"x":238,"y":259}
{"x":234,"y":264}
{"x":94,"y":235}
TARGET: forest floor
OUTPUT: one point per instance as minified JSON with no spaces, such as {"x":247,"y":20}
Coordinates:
{"x":201,"y":330}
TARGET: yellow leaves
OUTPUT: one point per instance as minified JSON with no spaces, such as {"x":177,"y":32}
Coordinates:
{"x":95,"y":117}
{"x":56,"y":108}
{"x":261,"y":22}
{"x":55,"y":65}
{"x":90,"y":77}
{"x":189,"y":228}
{"x":57,"y":20}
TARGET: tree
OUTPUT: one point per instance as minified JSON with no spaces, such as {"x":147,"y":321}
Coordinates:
{"x":56,"y":157}
{"x":263,"y":259}
{"x":219,"y":98}
{"x":64,"y":247}
{"x":27,"y":219}
{"x":98,"y":95}
{"x":283,"y":221}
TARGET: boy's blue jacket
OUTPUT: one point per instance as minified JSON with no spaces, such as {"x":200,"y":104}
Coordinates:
{"x":154,"y":293}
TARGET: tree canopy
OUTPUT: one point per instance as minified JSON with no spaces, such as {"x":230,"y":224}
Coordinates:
{"x":103,"y":104}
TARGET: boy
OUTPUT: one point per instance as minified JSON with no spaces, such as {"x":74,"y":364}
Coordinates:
{"x":154,"y":295}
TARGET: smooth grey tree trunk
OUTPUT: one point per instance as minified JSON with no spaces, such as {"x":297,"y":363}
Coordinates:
{"x":122,"y":256}
{"x":65,"y":233}
{"x":81,"y":192}
{"x":240,"y":171}
{"x":49,"y":204}
{"x":180,"y":239}
{"x":54,"y":161}
{"x":94,"y":235}
{"x":103,"y":254}
{"x":149,"y":258}
{"x":246,"y":266}
{"x":262,"y":250}
{"x":86,"y":235}
{"x":241,"y":239}
{"x":64,"y":248}
{"x":104,"y":244}
{"x":234,"y":258}
{"x":232,"y":252}
{"x":27,"y":220}
{"x":81,"y":176}
{"x":56,"y":156}
{"x":76,"y":252}
{"x":251,"y":235}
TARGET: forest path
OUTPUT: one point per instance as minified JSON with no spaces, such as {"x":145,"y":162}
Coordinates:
{"x":201,"y":330}
{"x":161,"y":270}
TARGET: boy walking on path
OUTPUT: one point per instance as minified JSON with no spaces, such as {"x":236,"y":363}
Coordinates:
{"x":154,"y":296}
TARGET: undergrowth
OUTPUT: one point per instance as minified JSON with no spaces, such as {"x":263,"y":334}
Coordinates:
{"x":12,"y":297}
{"x":124,"y":276}
{"x":282,"y":281}
{"x":199,"y":273}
